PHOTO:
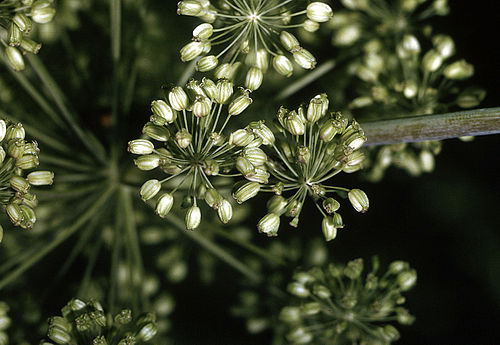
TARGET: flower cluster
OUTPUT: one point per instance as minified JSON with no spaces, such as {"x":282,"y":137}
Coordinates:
{"x":195,"y":148}
{"x":16,"y":18}
{"x":313,"y":145}
{"x":86,"y":323}
{"x":340,"y":305}
{"x":4,"y":322}
{"x":251,"y":31}
{"x":16,"y":156}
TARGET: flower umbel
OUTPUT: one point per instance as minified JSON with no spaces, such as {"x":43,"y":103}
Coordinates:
{"x":251,"y":31}
{"x":192,"y":127}
{"x":340,"y":305}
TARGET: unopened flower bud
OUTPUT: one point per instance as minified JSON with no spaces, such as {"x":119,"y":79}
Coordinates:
{"x":290,"y":314}
{"x":471,"y":97}
{"x":304,"y":58}
{"x":407,"y":279}
{"x":183,"y":138}
{"x":164,"y":204}
{"x":193,"y":218}
{"x":58,"y":335}
{"x":298,"y":289}
{"x":203,"y":31}
{"x":224,"y":91}
{"x":41,"y":178}
{"x":359,"y":200}
{"x":23,"y":22}
{"x":444,"y":45}
{"x":225,"y":211}
{"x":331,"y":205}
{"x":189,"y":8}
{"x":259,"y":175}
{"x":411,"y":89}
{"x":148,"y":162}
{"x":14,"y":35}
{"x":239,"y":104}
{"x":303,"y":154}
{"x":244,"y":166}
{"x":269,"y":224}
{"x":254,"y":78}
{"x":207,"y":63}
{"x":432,"y":61}
{"x":295,"y":124}
{"x":149,"y":189}
{"x":328,"y":228}
{"x":163,"y":110}
{"x":140,"y":147}
{"x":178,"y":98}
{"x":263,"y":132}
{"x":310,"y":26}
{"x":42,"y":11}
{"x":147,"y":332}
{"x":156,"y":132}
{"x":283,"y":65}
{"x":319,"y":12}
{"x":246,"y":192}
{"x":322,"y":291}
{"x":289,"y":41}
{"x":241,"y":137}
{"x":191,"y":50}
{"x":15,"y":58}
{"x":276,"y":204}
{"x":459,"y":70}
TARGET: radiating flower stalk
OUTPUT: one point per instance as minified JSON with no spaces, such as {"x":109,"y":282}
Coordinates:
{"x":192,"y":127}
{"x":251,"y":32}
{"x":313,"y":145}
{"x":5,"y":322}
{"x":339,"y":304}
{"x":17,"y":156}
{"x":86,"y":323}
{"x":17,"y":18}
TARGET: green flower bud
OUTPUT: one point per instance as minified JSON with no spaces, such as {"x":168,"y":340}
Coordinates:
{"x":295,"y":124}
{"x":41,"y":178}
{"x":148,"y":162}
{"x":211,"y":167}
{"x":355,"y":4}
{"x":147,"y":332}
{"x":337,"y":220}
{"x":311,"y":308}
{"x":459,"y":70}
{"x":183,"y":138}
{"x":224,"y":91}
{"x":27,"y":161}
{"x":23,"y":22}
{"x":310,"y":26}
{"x":359,"y":200}
{"x":213,"y":198}
{"x":441,"y":7}
{"x":331,"y":205}
{"x":239,"y":104}
{"x":347,"y":35}
{"x":432,"y":61}
{"x":319,"y":12}
{"x":15,"y":58}
{"x":316,"y":108}
{"x":244,"y":166}
{"x":163,"y":110}
{"x":164,"y":205}
{"x":398,"y":266}
{"x":263,"y":132}
{"x":203,"y":31}
{"x":59,"y":335}
{"x":289,"y":41}
{"x":260,"y":175}
{"x":209,"y":87}
{"x":207,"y":63}
{"x":19,"y":184}
{"x":29,"y":217}
{"x":471,"y":97}
{"x":225,"y":211}
{"x":202,"y":106}
{"x":256,"y":156}
{"x":191,"y":51}
{"x":15,"y":132}
{"x":411,"y":89}
{"x":303,"y":154}
{"x":276,"y":204}
{"x":290,"y":314}
{"x":193,"y":218}
{"x":15,"y":214}
{"x":322,"y":291}
{"x":409,"y":47}
{"x":189,"y":8}
{"x":355,"y":140}
{"x":407,"y":279}
{"x":3,"y":130}
{"x":30,"y":46}
{"x":149,"y":189}
{"x":14,"y":35}
{"x":269,"y":224}
{"x":254,"y":78}
{"x":298,"y":289}
{"x":444,"y":45}
{"x":353,"y":269}
{"x":304,"y":58}
{"x":178,"y":98}
{"x":246,"y":192}
{"x":329,"y":229}
{"x":156,"y":132}
{"x":42,"y":11}
{"x":140,"y":147}
{"x":241,"y":137}
{"x":283,"y":65}
{"x":299,"y":336}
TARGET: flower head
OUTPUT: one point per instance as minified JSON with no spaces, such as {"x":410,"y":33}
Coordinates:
{"x":342,"y":304}
{"x":253,"y":32}
{"x":196,"y":147}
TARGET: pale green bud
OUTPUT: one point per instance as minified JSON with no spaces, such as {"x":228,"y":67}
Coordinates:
{"x":193,"y":218}
{"x":316,"y":108}
{"x":355,"y":4}
{"x":444,"y":45}
{"x":244,"y":166}
{"x":328,"y":228}
{"x":15,"y":58}
{"x":263,"y":132}
{"x":426,"y":160}
{"x":241,"y":137}
{"x":59,"y":335}
{"x":183,"y":138}
{"x":16,"y":148}
{"x":327,"y":131}
{"x":311,"y":308}
{"x":3,"y":130}
{"x":15,"y":132}
{"x":207,"y":63}
{"x":149,"y":189}
{"x":29,"y":217}
{"x":319,"y":12}
{"x":289,"y":41}
{"x":283,"y":65}
{"x":356,"y":140}
{"x":303,"y":154}
{"x":432,"y":61}
{"x":441,"y":7}
{"x":203,"y":31}
{"x":19,"y":184}
{"x":260,"y":175}
{"x":304,"y":58}
{"x":261,"y":60}
{"x":41,"y":178}
{"x":178,"y":98}
{"x":224,"y":91}
{"x":256,"y":156}
{"x":189,"y":8}
{"x":254,"y":78}
{"x":202,"y":106}
{"x":407,"y":279}
{"x":246,"y":192}
{"x":359,"y":200}
{"x":276,"y":204}
{"x":15,"y":214}
{"x":23,"y":22}
{"x":310,"y":26}
{"x":148,"y":162}
{"x":211,"y":167}
{"x":140,"y":147}
{"x":269,"y":224}
{"x":298,"y":289}
{"x":459,"y":70}
{"x":239,"y":104}
{"x":299,"y":335}
{"x":163,"y":110}
{"x":294,"y":124}
{"x":471,"y":97}
{"x":156,"y":132}
{"x":147,"y":332}
{"x":14,"y":35}
{"x":411,"y":89}
{"x":42,"y":11}
{"x":227,"y":70}
{"x":409,"y":46}
{"x":290,"y":314}
{"x":322,"y":291}
{"x":355,"y":158}
{"x":1,"y":238}
{"x":225,"y":211}
{"x":164,"y":205}
{"x":213,"y":198}
{"x":331,"y":205}
{"x":191,"y":50}
{"x":347,"y":35}
{"x":27,"y":161}
{"x":209,"y":87}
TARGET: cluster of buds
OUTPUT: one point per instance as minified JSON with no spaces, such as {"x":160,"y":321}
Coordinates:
{"x":341,"y":305}
{"x":313,"y":146}
{"x":16,"y":156}
{"x":195,"y":147}
{"x":16,"y":18}
{"x":362,"y":20}
{"x":5,"y":322}
{"x":252,"y":32}
{"x":86,"y":323}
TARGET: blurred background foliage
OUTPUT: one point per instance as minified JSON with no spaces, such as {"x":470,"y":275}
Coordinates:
{"x":445,"y":224}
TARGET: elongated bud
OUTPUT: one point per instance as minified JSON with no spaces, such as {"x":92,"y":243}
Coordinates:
{"x":256,"y":156}
{"x":260,"y":175}
{"x":27,"y":161}
{"x":225,"y":211}
{"x":164,"y":205}
{"x":15,"y":58}
{"x":163,"y":110}
{"x":3,"y":130}
{"x":58,"y":335}
{"x":149,"y":189}
{"x":432,"y":61}
{"x":203,"y":31}
{"x":289,"y":41}
{"x":148,"y":162}
{"x":246,"y":192}
{"x":331,"y":205}
{"x":316,"y":107}
{"x":224,"y":91}
{"x":42,"y":11}
{"x":140,"y":147}
{"x":263,"y":132}
{"x":178,"y":98}
{"x":15,"y":214}
{"x":319,"y":12}
{"x":189,"y":8}
{"x":193,"y":218}
{"x":459,"y":70}
{"x":407,"y":279}
{"x":310,"y":26}
{"x":359,"y":200}
{"x":23,"y":22}
{"x":283,"y":65}
{"x":244,"y":166}
{"x":328,"y":228}
{"x":14,"y":35}
{"x":207,"y":63}
{"x":269,"y":224}
{"x":191,"y":50}
{"x":41,"y":178}
{"x":241,"y":137}
{"x":156,"y":132}
{"x":209,"y":87}
{"x":239,"y":104}
{"x":304,"y":58}
{"x":183,"y":138}
{"x":444,"y":45}
{"x":254,"y":78}
{"x":276,"y":204}
{"x":213,"y":198}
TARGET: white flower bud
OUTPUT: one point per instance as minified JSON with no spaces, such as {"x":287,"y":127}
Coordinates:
{"x":411,"y":89}
{"x":310,"y":26}
{"x":289,"y":41}
{"x":42,"y":11}
{"x":239,"y":104}
{"x":407,"y":279}
{"x":254,"y":78}
{"x":283,"y":65}
{"x":140,"y":147}
{"x":304,"y":58}
{"x":459,"y":70}
{"x":148,"y":162}
{"x":207,"y":63}
{"x":246,"y":192}
{"x":15,"y":58}
{"x":191,"y":51}
{"x":359,"y":200}
{"x":202,"y":106}
{"x":178,"y":98}
{"x":162,"y":109}
{"x":164,"y":204}
{"x":319,"y":12}
{"x":189,"y":8}
{"x":269,"y":224}
{"x":149,"y":189}
{"x":255,"y":155}
{"x":444,"y":45}
{"x":241,"y":137}
{"x":225,"y":211}
{"x":203,"y":31}
{"x":193,"y":218}
{"x":432,"y":61}
{"x":41,"y":178}
{"x":224,"y":91}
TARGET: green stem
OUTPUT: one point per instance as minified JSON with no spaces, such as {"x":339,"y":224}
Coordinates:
{"x":433,"y":127}
{"x":115,"y":12}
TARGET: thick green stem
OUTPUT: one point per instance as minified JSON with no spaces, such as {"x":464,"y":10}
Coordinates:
{"x":433,"y":127}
